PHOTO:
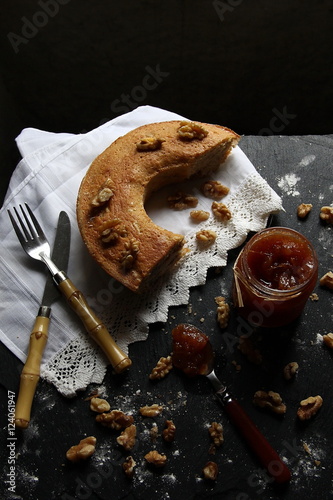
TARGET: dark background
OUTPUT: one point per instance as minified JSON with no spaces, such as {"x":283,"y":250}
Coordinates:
{"x":259,"y":67}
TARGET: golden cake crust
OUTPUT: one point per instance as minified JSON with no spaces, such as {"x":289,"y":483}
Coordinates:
{"x":111,"y":216}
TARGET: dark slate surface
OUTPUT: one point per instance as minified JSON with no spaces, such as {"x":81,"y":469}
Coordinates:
{"x":300,"y":170}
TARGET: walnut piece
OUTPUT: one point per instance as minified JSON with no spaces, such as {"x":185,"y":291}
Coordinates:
{"x":128,"y":466}
{"x":111,"y":230}
{"x":102,"y":197}
{"x":199,"y":215}
{"x":182,"y":201}
{"x":309,"y":407}
{"x":156,"y":459}
{"x":328,"y":340}
{"x":221,"y":211}
{"x":303,"y":210}
{"x":83,"y":450}
{"x":127,"y":437}
{"x":314,"y":297}
{"x":326,"y":214}
{"x":116,"y":419}
{"x":214,"y":189}
{"x":149,"y":144}
{"x":327,"y":280}
{"x":216,"y":433}
{"x":210,"y":471}
{"x":169,"y":432}
{"x":271,"y":400}
{"x":163,"y":367}
{"x":246,"y":346}
{"x":99,"y":405}
{"x":206,"y":237}
{"x":129,"y":254}
{"x":191,"y":130}
{"x":223,"y":312}
{"x":151,"y":411}
{"x":290,"y":370}
{"x":153,"y":432}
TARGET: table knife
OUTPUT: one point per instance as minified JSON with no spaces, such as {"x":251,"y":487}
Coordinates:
{"x":38,"y":338}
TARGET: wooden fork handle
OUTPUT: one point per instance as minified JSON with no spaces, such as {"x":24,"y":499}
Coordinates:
{"x":31,"y":371}
{"x":94,"y":326}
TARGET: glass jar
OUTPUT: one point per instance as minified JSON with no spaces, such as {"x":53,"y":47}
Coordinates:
{"x":274,"y":276}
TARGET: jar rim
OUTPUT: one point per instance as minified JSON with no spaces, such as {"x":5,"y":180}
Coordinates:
{"x":261,"y":286}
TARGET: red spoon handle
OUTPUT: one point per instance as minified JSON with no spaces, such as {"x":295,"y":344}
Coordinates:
{"x":257,"y":442}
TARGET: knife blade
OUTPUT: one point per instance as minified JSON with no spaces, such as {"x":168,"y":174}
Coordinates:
{"x":38,"y":337}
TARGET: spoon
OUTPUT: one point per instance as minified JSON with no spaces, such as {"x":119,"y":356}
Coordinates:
{"x":193,"y":354}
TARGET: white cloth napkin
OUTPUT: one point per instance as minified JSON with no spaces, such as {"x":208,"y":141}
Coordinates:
{"x":48,"y":178}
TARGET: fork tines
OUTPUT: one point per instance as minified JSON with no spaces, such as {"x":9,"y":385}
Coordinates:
{"x":35,"y":229}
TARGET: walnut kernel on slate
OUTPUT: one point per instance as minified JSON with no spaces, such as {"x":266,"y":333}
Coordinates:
{"x":270,"y":400}
{"x":326,"y":214}
{"x":163,"y":367}
{"x":116,"y":419}
{"x":327,"y":280}
{"x":309,"y":407}
{"x":156,"y":459}
{"x":127,"y":438}
{"x":210,"y":471}
{"x":83,"y":450}
{"x":303,"y":210}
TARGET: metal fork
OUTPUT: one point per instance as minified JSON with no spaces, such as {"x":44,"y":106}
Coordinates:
{"x":35,"y":244}
{"x":32,"y":237}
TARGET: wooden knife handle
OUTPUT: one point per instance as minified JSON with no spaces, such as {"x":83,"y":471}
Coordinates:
{"x":31,"y":371}
{"x":257,"y":442}
{"x":94,"y":326}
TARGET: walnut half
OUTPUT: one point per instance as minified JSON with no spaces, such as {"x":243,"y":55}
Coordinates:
{"x":223,"y":312}
{"x":303,"y":210}
{"x":115,"y":419}
{"x":156,"y":459}
{"x":309,"y":407}
{"x":327,"y":280}
{"x":99,"y":405}
{"x":169,"y":432}
{"x":163,"y":367}
{"x":216,"y":433}
{"x":326,"y":214}
{"x":83,"y":450}
{"x":151,"y":411}
{"x":221,"y":211}
{"x":128,"y":466}
{"x":271,"y":400}
{"x":214,"y":189}
{"x":290,"y":370}
{"x":210,"y":471}
{"x":191,"y":130}
{"x":182,"y":201}
{"x":127,"y":437}
{"x":206,"y":237}
{"x":149,"y":144}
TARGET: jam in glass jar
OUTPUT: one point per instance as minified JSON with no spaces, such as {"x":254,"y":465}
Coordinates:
{"x":274,"y":276}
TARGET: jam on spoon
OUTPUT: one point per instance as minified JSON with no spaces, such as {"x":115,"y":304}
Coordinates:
{"x":193,"y":354}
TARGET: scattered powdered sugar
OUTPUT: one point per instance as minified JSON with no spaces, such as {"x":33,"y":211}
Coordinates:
{"x":319,"y":339}
{"x":288,"y":183}
{"x":307,"y":160}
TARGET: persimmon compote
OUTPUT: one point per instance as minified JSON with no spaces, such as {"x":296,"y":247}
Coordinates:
{"x":274,"y":275}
